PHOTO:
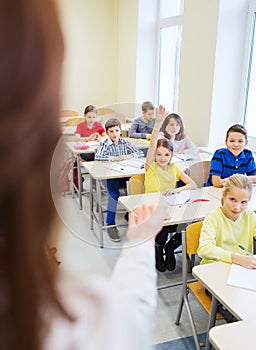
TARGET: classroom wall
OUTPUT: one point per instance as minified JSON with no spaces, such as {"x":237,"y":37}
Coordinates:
{"x":90,"y":33}
{"x":105,"y":63}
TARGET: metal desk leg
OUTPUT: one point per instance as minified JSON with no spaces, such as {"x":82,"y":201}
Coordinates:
{"x":212,"y":321}
{"x":100,"y":213}
{"x":91,"y":202}
{"x":80,"y":184}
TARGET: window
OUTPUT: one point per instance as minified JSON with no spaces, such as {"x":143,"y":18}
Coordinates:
{"x":170,"y":29}
{"x":250,"y":87}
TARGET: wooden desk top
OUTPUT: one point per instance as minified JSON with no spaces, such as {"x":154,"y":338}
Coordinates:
{"x":176,"y":213}
{"x":100,"y":170}
{"x":241,"y":302}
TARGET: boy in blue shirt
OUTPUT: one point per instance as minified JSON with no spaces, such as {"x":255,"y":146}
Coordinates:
{"x":115,"y":149}
{"x":235,"y":159}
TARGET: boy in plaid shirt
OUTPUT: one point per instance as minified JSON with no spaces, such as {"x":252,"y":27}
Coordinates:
{"x":115,"y":149}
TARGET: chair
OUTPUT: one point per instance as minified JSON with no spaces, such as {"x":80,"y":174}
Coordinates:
{"x":74,"y":121}
{"x":190,"y":242}
{"x":199,"y":172}
{"x":68,"y":113}
{"x":136,"y":184}
{"x":119,"y":116}
{"x":104,"y":110}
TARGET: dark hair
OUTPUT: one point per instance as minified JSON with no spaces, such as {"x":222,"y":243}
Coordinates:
{"x":112,"y":122}
{"x":237,"y":128}
{"x":90,"y":108}
{"x":30,"y":69}
{"x":165,"y":143}
{"x":181,"y":134}
{"x":147,"y":105}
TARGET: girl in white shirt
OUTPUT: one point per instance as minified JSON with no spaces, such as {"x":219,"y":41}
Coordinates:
{"x":173,"y":129}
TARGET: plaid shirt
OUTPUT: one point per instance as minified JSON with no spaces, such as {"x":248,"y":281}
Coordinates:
{"x":108,"y":150}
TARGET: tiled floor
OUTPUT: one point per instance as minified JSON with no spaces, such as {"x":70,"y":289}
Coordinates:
{"x":79,"y":252}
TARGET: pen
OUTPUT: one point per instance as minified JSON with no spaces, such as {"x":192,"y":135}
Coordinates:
{"x":245,"y":250}
{"x":187,"y":201}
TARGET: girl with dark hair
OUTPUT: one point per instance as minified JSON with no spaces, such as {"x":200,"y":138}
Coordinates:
{"x":162,"y":176}
{"x":42,"y":307}
{"x":173,"y":129}
{"x":90,"y":129}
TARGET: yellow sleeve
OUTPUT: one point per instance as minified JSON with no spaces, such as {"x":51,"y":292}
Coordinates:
{"x":211,"y":232}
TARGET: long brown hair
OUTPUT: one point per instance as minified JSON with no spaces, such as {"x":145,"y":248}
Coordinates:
{"x":31,"y":56}
{"x":181,"y":134}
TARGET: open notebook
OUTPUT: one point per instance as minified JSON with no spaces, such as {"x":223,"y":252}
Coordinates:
{"x":242,"y":277}
{"x":128,"y":165}
{"x":185,"y":197}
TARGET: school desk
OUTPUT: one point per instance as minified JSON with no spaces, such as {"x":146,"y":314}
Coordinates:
{"x":199,"y":205}
{"x":75,"y":156}
{"x":239,"y":301}
{"x":75,"y":153}
{"x":103,"y":170}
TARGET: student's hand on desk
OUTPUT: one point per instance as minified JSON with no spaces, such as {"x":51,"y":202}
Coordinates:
{"x":146,"y":221}
{"x":148,"y":136}
{"x":244,"y":260}
{"x":170,"y":191}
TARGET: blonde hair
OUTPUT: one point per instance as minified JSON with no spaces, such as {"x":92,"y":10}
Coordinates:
{"x":237,"y":181}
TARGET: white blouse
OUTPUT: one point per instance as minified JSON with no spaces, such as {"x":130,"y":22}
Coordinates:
{"x":116,"y":314}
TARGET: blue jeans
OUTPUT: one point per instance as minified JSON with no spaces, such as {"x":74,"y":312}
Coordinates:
{"x":113,"y":186}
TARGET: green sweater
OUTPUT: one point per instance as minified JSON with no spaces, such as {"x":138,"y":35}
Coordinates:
{"x":221,"y":236}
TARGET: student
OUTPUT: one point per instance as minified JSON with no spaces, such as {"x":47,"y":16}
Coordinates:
{"x":89,"y":130}
{"x":43,"y":308}
{"x":235,"y":159}
{"x":230,"y":225}
{"x":173,"y":129}
{"x":142,"y":127}
{"x":162,"y":176}
{"x":115,"y":149}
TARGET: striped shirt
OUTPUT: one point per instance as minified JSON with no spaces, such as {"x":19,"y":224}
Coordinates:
{"x":108,"y":149}
{"x":225,"y":164}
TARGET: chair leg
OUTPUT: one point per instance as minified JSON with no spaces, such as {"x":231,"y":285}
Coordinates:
{"x":180,"y":308}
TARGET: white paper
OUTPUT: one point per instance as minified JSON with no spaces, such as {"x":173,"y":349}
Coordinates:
{"x":186,"y":197}
{"x":134,"y":162}
{"x":242,"y":277}
{"x":123,"y":168}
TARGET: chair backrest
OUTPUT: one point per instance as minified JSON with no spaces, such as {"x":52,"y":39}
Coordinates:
{"x":199,"y":172}
{"x":136,"y":184}
{"x":74,"y":121}
{"x":192,"y":237}
{"x":103,"y":111}
{"x":119,"y":116}
{"x":68,"y":113}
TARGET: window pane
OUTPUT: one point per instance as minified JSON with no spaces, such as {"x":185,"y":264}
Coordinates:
{"x":250,"y":101}
{"x":169,"y":67}
{"x":169,"y":8}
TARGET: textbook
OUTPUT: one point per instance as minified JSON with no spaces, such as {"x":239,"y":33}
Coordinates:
{"x":127,"y":166}
{"x":185,"y":197}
